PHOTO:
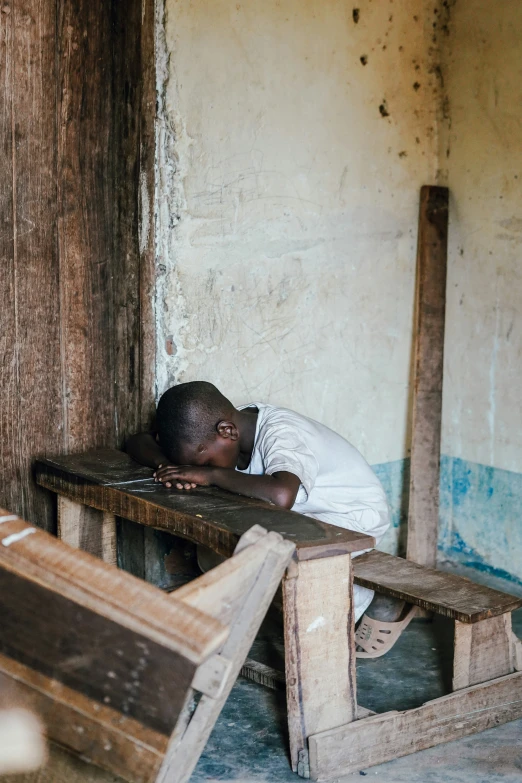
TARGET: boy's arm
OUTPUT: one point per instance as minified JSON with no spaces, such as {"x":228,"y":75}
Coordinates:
{"x":144,"y":448}
{"x":280,"y":488}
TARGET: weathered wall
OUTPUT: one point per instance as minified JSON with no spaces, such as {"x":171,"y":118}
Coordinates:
{"x":288,"y":204}
{"x":292,"y":142}
{"x":481,"y":154}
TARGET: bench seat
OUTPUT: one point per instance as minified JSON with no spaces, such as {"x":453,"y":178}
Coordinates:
{"x":446,"y":594}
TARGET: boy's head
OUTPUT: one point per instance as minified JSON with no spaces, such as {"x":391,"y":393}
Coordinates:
{"x":196,"y":426}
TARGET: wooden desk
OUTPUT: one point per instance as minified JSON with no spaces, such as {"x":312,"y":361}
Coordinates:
{"x":317,"y":588}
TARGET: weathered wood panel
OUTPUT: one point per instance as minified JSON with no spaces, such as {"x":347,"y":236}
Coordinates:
{"x":37,"y":273}
{"x":9,"y":407}
{"x":29,"y":344}
{"x":319,"y":650}
{"x":85,"y":221}
{"x":423,"y":513}
{"x":482,"y":652}
{"x":380,"y":738}
{"x":447,"y":594}
{"x":76,"y":131}
{"x":110,"y":480}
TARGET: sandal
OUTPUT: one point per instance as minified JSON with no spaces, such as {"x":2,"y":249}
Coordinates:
{"x":377,"y":637}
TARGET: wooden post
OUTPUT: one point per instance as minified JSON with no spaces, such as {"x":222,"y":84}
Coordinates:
{"x":423,"y":513}
{"x":88,"y":529}
{"x":319,"y":651}
{"x":483,"y":651}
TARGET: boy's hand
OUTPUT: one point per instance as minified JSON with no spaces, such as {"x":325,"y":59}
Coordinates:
{"x":183,"y":477}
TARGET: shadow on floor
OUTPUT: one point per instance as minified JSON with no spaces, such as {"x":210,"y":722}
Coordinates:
{"x":249,"y":742}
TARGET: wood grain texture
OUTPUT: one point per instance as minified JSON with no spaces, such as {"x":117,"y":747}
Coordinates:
{"x":75,"y":290}
{"x":482,"y":651}
{"x":207,"y":516}
{"x":64,"y":767}
{"x":85,"y":202}
{"x":88,"y":529}
{"x":186,"y":747}
{"x":440,"y":592}
{"x":423,"y":512}
{"x":112,"y":593}
{"x":96,"y":732}
{"x":319,"y":649}
{"x":380,"y":738}
{"x":29,"y":345}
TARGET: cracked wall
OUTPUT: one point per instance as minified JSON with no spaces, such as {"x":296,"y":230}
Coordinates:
{"x":293,"y":139}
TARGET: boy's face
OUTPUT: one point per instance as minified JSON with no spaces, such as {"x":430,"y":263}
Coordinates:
{"x":222,"y":451}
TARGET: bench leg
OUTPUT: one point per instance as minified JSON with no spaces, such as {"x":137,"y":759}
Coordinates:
{"x":87,"y":528}
{"x":319,"y":650}
{"x":482,"y":651}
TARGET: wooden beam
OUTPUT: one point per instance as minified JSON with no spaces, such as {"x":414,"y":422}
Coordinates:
{"x":437,"y":591}
{"x":95,"y":731}
{"x":423,"y":513}
{"x":319,"y":649}
{"x":84,"y":616}
{"x":381,"y":738}
{"x":482,"y":652}
{"x":110,"y":480}
{"x":88,"y":529}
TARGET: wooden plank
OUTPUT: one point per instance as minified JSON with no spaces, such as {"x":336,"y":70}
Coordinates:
{"x":64,"y":767}
{"x":22,"y":744}
{"x":185,"y":748}
{"x":150,"y":635}
{"x":221,"y":591}
{"x":85,"y":201}
{"x":29,"y":343}
{"x":263,"y":675}
{"x":110,"y":480}
{"x":36,"y":260}
{"x":482,"y":651}
{"x":381,"y":738}
{"x":423,"y":511}
{"x":319,"y":649}
{"x":10,"y":403}
{"x":97,"y":732}
{"x":517,"y":653}
{"x":440,"y":592}
{"x":79,"y":576}
{"x":37,"y":266}
{"x":88,"y":529}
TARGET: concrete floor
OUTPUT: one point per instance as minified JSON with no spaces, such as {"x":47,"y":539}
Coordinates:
{"x":249,"y":742}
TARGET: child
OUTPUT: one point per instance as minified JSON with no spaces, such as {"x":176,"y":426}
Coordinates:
{"x":264,"y":452}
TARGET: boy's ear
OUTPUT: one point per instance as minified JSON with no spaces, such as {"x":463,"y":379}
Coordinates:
{"x":227,"y":429}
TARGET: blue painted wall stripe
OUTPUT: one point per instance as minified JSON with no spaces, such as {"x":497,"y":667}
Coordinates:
{"x":480,"y":513}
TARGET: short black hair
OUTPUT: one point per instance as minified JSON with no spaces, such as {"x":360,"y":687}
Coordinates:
{"x":187,"y":414}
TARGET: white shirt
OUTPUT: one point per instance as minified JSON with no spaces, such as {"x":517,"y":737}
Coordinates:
{"x":337,"y":484}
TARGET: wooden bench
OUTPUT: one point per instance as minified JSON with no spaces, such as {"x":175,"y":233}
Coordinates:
{"x":317,"y":597}
{"x":111,"y":663}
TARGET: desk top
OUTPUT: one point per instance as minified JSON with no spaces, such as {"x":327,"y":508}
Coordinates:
{"x":110,"y":480}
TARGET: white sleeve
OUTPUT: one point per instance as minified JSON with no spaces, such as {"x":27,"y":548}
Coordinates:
{"x":284,"y":448}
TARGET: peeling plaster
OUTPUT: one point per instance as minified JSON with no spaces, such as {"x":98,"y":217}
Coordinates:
{"x":285,"y":201}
